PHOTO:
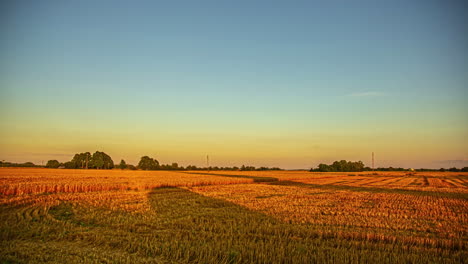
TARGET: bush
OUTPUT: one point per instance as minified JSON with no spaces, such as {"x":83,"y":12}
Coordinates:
{"x":341,"y":166}
{"x":53,"y":164}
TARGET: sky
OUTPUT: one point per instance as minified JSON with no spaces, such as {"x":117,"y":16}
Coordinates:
{"x":264,"y":83}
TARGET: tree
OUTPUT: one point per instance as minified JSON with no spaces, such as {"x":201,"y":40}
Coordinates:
{"x":28,"y":164}
{"x":147,"y":163}
{"x":53,"y":164}
{"x":324,"y":167}
{"x":101,"y":160}
{"x":122,"y":165}
{"x":131,"y":167}
{"x":69,"y":165}
{"x":80,"y":161}
{"x":355,"y":166}
{"x":247,"y":168}
{"x":341,"y":166}
{"x":192,"y":167}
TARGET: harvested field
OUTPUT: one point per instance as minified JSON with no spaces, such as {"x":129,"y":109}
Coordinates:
{"x":83,"y":216}
{"x":16,"y":181}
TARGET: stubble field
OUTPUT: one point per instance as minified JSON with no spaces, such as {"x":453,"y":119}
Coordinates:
{"x":90,"y":216}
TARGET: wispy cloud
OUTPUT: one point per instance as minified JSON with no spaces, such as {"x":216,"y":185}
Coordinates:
{"x":367,"y":94}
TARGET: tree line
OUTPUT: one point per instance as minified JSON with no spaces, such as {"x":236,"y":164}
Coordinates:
{"x":350,"y":166}
{"x":22,"y":165}
{"x":100,"y":160}
{"x":340,"y":166}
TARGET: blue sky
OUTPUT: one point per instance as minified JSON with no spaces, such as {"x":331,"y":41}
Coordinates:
{"x":266,"y":83}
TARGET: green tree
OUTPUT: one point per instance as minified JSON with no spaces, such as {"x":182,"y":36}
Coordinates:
{"x":324,"y":167}
{"x":122,"y":165}
{"x":53,"y":164}
{"x":100,"y":160}
{"x":356,"y":166}
{"x":69,"y":165}
{"x":80,"y":161}
{"x":192,"y":167}
{"x":341,"y":166}
{"x":147,"y":163}
{"x":28,"y":164}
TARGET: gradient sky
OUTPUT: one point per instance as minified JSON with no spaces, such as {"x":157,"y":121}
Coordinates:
{"x":264,"y":83}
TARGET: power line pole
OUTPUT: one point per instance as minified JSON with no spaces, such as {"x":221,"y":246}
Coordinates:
{"x":372,"y":160}
{"x":207,"y":162}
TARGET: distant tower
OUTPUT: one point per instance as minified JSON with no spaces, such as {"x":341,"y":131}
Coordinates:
{"x":372,"y":160}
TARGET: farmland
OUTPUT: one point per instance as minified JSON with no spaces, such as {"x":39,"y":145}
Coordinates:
{"x":96,"y":216}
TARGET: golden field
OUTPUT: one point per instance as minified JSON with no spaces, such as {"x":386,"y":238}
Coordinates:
{"x":114,"y":216}
{"x":16,"y":181}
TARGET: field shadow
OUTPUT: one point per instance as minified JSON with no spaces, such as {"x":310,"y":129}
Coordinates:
{"x":186,"y":227}
{"x":193,"y":228}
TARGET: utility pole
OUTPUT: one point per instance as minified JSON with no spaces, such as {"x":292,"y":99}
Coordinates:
{"x":207,"y":162}
{"x":372,"y":160}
